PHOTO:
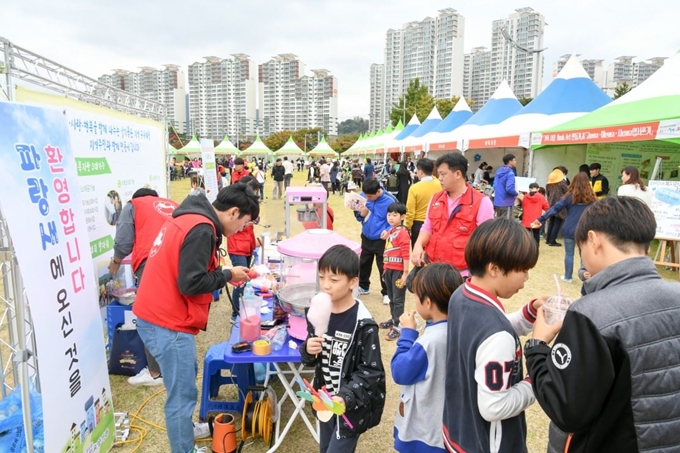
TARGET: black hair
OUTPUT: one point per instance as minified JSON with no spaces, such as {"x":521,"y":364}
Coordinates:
{"x":483,"y":165}
{"x":626,"y":221}
{"x":239,"y":196}
{"x":399,"y":208}
{"x":595,"y":166}
{"x":507,"y":158}
{"x":285,"y":157}
{"x":370,"y":186}
{"x":455,"y":161}
{"x":368,"y":160}
{"x":144,"y":192}
{"x":534,"y":185}
{"x":251,"y":182}
{"x":238,"y":161}
{"x":503,"y":242}
{"x":278,"y":160}
{"x":584,"y":169}
{"x":563,"y":169}
{"x":340,"y":260}
{"x":437,"y":282}
{"x":425,"y":165}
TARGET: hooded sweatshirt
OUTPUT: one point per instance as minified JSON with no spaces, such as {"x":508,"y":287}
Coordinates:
{"x":504,"y":187}
{"x":194,"y":277}
{"x":533,"y":205}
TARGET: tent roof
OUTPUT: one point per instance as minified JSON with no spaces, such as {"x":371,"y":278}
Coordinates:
{"x":409,"y":129}
{"x":290,"y":148}
{"x":499,"y":107}
{"x":643,"y":108}
{"x":432,"y":120}
{"x":323,"y":149}
{"x":459,"y":115}
{"x":193,"y":147}
{"x":257,"y":148}
{"x":226,"y":147}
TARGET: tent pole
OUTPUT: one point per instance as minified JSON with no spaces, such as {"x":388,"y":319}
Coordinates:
{"x":530,"y":170}
{"x":657,"y":167}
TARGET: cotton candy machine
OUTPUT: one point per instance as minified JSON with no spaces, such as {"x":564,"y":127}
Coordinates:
{"x":299,"y":275}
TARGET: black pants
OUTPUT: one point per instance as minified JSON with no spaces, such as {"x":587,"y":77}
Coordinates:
{"x":329,"y":442}
{"x":397,"y":295}
{"x":371,"y":249}
{"x":536,"y":233}
{"x":415,"y":231}
{"x":553,"y":229}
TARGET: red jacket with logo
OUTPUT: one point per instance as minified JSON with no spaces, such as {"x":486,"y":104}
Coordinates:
{"x":397,"y":249}
{"x":150,"y":215}
{"x":450,"y":235}
{"x":242,"y":243}
{"x":159,"y":300}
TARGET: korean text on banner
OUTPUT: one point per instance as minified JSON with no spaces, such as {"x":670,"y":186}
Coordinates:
{"x":45,"y":217}
{"x":666,"y":208}
{"x":209,"y":169}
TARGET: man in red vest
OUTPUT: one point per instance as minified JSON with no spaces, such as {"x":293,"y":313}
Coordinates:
{"x":140,"y":221}
{"x":452,"y":216}
{"x":174,"y":298}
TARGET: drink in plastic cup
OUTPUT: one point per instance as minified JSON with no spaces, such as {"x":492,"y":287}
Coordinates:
{"x":555,"y":308}
{"x":249,"y":314}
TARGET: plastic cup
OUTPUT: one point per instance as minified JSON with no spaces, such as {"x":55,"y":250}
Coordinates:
{"x":555,"y":308}
{"x":249,"y":314}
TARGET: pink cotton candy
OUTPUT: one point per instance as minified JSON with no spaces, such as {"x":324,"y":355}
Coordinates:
{"x":320,"y":313}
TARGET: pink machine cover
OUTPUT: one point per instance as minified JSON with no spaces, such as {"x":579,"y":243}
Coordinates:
{"x":314,"y":243}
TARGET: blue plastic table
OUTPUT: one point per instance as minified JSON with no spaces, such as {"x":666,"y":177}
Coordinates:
{"x":287,"y":365}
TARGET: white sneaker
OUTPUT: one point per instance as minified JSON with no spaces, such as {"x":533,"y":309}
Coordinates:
{"x":568,"y":280}
{"x":145,"y":378}
{"x":386,"y":299}
{"x":196,"y":449}
{"x":201,"y":431}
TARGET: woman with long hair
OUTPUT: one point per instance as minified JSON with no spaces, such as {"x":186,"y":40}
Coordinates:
{"x":633,"y":186}
{"x":555,"y":189}
{"x":579,"y":196}
{"x":403,"y":182}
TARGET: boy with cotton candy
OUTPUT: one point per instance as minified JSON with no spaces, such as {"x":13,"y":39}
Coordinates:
{"x":345,"y":351}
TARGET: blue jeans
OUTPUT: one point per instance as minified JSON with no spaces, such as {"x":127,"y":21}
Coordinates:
{"x":238,"y":260}
{"x":174,"y":351}
{"x":569,"y":245}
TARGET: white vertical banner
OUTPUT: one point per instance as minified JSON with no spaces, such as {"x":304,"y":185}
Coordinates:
{"x":47,"y":225}
{"x":209,"y":169}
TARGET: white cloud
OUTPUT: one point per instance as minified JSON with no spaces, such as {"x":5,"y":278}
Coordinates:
{"x":344,"y":37}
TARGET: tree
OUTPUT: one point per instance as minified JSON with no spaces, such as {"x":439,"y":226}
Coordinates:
{"x":356,"y":125}
{"x":417,"y":100}
{"x":622,"y":89}
{"x":344,"y":142}
{"x":525,"y":101}
{"x":444,"y":106}
{"x":276,"y":140}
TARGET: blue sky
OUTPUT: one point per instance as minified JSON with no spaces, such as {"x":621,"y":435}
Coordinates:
{"x":343,"y":36}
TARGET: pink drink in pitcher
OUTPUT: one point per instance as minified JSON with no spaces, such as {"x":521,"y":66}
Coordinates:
{"x":250,"y":328}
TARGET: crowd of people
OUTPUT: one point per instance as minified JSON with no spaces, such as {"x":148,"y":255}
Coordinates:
{"x":609,"y":382}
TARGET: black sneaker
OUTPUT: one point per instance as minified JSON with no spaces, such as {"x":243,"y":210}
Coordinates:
{"x":387,"y":324}
{"x":555,"y":244}
{"x":392,"y":335}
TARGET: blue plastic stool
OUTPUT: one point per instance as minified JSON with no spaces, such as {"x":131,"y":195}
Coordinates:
{"x":242,"y":375}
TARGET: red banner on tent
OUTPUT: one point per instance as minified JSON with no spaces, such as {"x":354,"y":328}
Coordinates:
{"x":394,"y":149}
{"x":413,"y":148}
{"x":627,"y":133}
{"x":444,"y":146}
{"x":498,"y":142}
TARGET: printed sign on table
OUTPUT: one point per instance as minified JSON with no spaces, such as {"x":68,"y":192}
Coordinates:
{"x":209,"y":169}
{"x":47,"y":225}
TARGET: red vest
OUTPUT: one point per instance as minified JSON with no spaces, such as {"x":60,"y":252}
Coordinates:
{"x":450,"y":236}
{"x":159,"y":300}
{"x":150,"y":215}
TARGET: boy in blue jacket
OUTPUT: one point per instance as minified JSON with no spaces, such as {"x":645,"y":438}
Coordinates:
{"x":504,"y":187}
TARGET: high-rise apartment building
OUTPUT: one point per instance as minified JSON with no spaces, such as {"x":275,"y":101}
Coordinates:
{"x":595,"y":70}
{"x":291,"y":100}
{"x":166,"y":86}
{"x":430,"y":50}
{"x":477,"y":85}
{"x":516,"y":42}
{"x":619,"y":71}
{"x":643,"y":69}
{"x":559,"y":64}
{"x":222,"y":97}
{"x":376,"y":115}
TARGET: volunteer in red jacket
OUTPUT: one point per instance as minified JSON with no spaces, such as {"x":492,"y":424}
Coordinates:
{"x":533,"y":205}
{"x":452,"y":216}
{"x":174,"y":298}
{"x":138,"y":225}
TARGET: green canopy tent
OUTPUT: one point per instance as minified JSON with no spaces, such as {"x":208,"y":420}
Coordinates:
{"x":257,"y":149}
{"x":289,"y":149}
{"x":226,"y":147}
{"x":631,"y":130}
{"x":323,"y":149}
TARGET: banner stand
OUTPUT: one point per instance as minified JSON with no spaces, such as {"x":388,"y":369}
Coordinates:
{"x":671,"y":259}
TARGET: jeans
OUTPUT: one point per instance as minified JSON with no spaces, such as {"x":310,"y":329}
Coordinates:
{"x":369,"y":250}
{"x":554,"y":229}
{"x":329,"y":442}
{"x":569,"y":245}
{"x":238,"y":260}
{"x":175,"y":352}
{"x":151,"y":363}
{"x":286,"y":179}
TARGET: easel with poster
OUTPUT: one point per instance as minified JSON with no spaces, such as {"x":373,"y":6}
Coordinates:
{"x":666,"y":208}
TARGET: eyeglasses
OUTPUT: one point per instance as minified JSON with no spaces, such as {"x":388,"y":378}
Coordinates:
{"x":254,"y":222}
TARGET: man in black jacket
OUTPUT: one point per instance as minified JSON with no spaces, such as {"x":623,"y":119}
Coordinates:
{"x":278,"y":175}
